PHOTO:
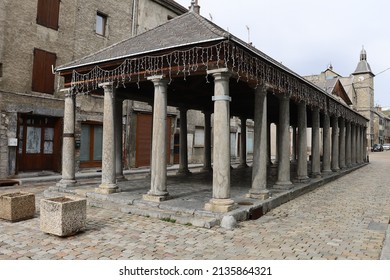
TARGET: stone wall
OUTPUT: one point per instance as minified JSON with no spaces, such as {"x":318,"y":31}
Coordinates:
{"x":76,"y":37}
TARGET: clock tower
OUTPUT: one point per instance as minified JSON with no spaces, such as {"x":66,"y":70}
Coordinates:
{"x":363,"y":85}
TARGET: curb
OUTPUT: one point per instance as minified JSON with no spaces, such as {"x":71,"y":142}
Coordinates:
{"x":385,"y":254}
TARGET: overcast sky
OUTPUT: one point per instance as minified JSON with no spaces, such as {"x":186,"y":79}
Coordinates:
{"x":307,"y":35}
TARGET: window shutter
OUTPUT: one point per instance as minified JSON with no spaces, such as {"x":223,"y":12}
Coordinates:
{"x":48,"y":13}
{"x":43,"y":78}
{"x":42,"y":12}
{"x":53,"y":13}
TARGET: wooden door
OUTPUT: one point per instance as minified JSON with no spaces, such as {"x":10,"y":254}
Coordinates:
{"x":144,"y":139}
{"x":39,"y":146}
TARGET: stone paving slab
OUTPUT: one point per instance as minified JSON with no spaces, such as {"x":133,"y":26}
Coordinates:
{"x":189,"y":194}
{"x":343,"y":219}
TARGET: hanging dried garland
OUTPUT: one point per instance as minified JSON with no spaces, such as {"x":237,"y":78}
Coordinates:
{"x":244,"y":65}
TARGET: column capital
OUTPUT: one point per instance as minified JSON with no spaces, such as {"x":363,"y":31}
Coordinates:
{"x":158,"y":80}
{"x":106,"y":85}
{"x":183,"y":108}
{"x":220,"y":74}
{"x":67,"y":92}
{"x":261,"y":89}
{"x":342,"y":122}
{"x":283,"y":96}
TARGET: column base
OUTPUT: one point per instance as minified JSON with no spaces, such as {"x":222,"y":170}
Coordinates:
{"x":220,"y":205}
{"x":120,"y":178}
{"x":107,"y":189}
{"x":284,"y":185}
{"x":258,"y":194}
{"x":183,"y":172}
{"x":242,"y":165}
{"x":66,"y":183}
{"x":315,"y":175}
{"x":327,"y":171}
{"x":303,"y":179}
{"x":155,"y":198}
{"x":206,"y":169}
{"x":335,"y":169}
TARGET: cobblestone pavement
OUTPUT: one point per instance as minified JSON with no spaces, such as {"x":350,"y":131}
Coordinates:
{"x":345,"y":219}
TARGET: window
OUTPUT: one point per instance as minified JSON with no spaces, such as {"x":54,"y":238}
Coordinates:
{"x":233,"y":144}
{"x":101,"y":22}
{"x":199,"y":137}
{"x":48,"y":13}
{"x":91,"y":145}
{"x":39,"y":135}
{"x":1,"y":70}
{"x":249,"y":142}
{"x":43,"y":78}
{"x":33,"y":143}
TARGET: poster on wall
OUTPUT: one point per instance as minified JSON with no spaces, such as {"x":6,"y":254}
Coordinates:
{"x":33,"y":143}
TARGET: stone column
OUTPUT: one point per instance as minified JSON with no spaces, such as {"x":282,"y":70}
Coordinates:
{"x":326,"y":148}
{"x":207,"y":143}
{"x":342,"y":144}
{"x":243,"y":144}
{"x":302,"y":143}
{"x":183,"y":159}
{"x":221,"y":201}
{"x":260,"y":159}
{"x":315,"y":144}
{"x":362,"y":147}
{"x":277,"y":139}
{"x":269,"y":161}
{"x":348,"y":144}
{"x":284,"y":142}
{"x":68,"y":146}
{"x":335,"y":144}
{"x":294,"y":144}
{"x":118,"y":139}
{"x":365,"y":144}
{"x":358,"y":144}
{"x":158,"y":185}
{"x":108,"y":184}
{"x":353,"y":143}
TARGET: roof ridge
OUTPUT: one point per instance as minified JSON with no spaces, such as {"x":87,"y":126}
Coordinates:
{"x":216,"y":29}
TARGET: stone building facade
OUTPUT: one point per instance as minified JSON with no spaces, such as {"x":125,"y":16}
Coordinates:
{"x":35,"y":37}
{"x":355,"y":91}
{"x":381,"y":126}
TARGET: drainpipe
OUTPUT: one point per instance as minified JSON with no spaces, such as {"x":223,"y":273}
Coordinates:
{"x":134,"y":20}
{"x":129,"y":103}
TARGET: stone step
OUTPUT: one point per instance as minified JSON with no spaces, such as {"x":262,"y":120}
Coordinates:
{"x":121,"y":204}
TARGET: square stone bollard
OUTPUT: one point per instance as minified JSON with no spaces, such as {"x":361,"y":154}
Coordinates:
{"x":63,"y":216}
{"x":17,"y":206}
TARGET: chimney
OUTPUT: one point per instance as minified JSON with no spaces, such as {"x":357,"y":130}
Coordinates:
{"x":195,"y":7}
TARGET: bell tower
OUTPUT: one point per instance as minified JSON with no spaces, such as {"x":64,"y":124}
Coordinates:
{"x":363,"y":84}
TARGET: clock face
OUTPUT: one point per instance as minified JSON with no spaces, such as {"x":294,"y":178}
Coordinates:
{"x":361,"y":78}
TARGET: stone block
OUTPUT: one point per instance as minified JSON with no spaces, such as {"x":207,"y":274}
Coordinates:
{"x":220,"y":205}
{"x":228,"y":222}
{"x":17,"y":206}
{"x":155,"y":198}
{"x":63,"y":216}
